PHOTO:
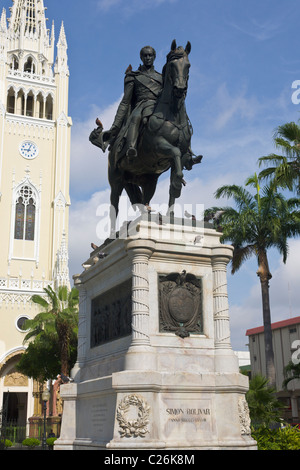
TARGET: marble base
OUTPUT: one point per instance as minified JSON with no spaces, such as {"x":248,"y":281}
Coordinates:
{"x":166,"y":384}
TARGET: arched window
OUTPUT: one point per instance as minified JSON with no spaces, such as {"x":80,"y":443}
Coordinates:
{"x":20,"y":102}
{"x":49,"y":108}
{"x":11,"y":101}
{"x":14,"y":65}
{"x":39,"y":112}
{"x":19,"y":220}
{"x":25,"y":214}
{"x":30,"y":104}
{"x":29,"y":65}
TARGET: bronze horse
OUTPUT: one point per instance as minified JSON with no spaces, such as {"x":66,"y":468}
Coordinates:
{"x":164,"y":142}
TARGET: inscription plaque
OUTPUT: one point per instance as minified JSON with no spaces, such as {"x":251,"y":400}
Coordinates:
{"x":99,"y":418}
{"x":111,"y":315}
{"x":187,"y":416}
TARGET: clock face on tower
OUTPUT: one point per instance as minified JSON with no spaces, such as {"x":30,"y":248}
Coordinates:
{"x":28,"y":149}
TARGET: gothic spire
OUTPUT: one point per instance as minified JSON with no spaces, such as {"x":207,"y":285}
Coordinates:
{"x":61,"y":274}
{"x":27,"y":32}
{"x":3,"y":22}
{"x":61,"y":65}
{"x":27,"y":17}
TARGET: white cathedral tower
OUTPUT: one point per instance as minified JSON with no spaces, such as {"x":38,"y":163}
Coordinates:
{"x":34,"y":174}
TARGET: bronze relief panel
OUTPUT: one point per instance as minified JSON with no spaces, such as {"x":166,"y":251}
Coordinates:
{"x":180,"y":304}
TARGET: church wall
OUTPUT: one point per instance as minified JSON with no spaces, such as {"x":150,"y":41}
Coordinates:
{"x":34,"y":188}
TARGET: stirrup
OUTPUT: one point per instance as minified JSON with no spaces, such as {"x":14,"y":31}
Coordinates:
{"x":131,"y":152}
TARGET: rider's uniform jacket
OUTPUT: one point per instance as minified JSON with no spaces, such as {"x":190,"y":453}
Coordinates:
{"x":141,"y":90}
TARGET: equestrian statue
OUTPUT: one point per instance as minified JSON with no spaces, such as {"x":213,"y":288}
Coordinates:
{"x":151,"y":132}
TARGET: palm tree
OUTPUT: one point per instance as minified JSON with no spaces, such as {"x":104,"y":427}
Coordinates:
{"x":291,"y":372}
{"x":264,"y":407}
{"x":260,"y":221}
{"x":286,"y":172}
{"x":59,"y":318}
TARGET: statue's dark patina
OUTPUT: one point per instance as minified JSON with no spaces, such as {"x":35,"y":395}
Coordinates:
{"x":151,"y":132}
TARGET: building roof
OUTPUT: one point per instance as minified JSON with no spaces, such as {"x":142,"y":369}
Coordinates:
{"x":274,"y":326}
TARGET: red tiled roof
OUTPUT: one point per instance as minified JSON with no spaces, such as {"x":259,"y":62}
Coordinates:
{"x":274,"y":326}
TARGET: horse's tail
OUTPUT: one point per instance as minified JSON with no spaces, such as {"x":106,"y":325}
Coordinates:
{"x":134,"y":193}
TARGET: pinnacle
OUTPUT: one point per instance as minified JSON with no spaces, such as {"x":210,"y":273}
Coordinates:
{"x":3,"y":21}
{"x":62,"y":35}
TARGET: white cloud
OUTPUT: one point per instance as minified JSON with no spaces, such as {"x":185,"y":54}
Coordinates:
{"x":262,"y":30}
{"x":284,"y":295}
{"x":106,"y":5}
{"x":89,"y":163}
{"x":285,"y":285}
{"x":130,"y":7}
{"x":229,"y":107}
{"x":82,"y":229}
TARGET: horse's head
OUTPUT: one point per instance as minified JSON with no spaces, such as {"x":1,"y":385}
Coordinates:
{"x":176,"y":70}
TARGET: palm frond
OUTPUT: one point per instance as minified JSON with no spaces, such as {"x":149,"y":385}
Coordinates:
{"x":272,"y":158}
{"x":289,"y":131}
{"x":38,"y":299}
{"x":241,"y":196}
{"x":63,"y":293}
{"x":241,"y":254}
{"x":52,"y":296}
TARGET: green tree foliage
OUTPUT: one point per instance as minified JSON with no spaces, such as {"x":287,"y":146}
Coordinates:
{"x":291,"y":372}
{"x":258,"y":222}
{"x":264,"y":407}
{"x":52,"y":333}
{"x":287,"y":438}
{"x":284,"y":169}
{"x":41,"y":361}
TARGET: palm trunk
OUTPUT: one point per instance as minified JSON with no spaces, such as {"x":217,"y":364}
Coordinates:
{"x":64,"y":348}
{"x":64,"y":361}
{"x":265,"y":275}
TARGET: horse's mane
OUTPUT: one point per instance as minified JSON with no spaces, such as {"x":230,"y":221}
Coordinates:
{"x":176,"y":54}
{"x":173,"y":55}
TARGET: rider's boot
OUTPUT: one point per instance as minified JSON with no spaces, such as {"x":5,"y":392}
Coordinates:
{"x":132,"y":138}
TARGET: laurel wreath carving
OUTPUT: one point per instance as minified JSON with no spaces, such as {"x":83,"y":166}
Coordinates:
{"x":135,"y":427}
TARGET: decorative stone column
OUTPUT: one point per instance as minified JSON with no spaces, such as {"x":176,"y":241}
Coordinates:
{"x":82,"y":329}
{"x":140,"y":251}
{"x":220,"y":298}
{"x":225,"y":359}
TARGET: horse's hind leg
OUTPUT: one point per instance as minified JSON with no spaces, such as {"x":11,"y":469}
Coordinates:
{"x":149,"y":187}
{"x":174,"y":192}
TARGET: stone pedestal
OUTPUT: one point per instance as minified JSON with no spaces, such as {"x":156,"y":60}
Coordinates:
{"x":155,"y":366}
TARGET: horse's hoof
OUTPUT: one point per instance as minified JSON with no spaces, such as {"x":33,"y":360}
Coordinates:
{"x":197,"y":159}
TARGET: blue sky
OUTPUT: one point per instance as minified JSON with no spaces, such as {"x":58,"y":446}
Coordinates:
{"x":244,"y":59}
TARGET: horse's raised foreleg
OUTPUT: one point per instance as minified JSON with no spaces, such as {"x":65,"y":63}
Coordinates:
{"x":164,"y":147}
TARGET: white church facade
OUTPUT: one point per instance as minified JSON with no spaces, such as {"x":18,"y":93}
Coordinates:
{"x":35,"y":132}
